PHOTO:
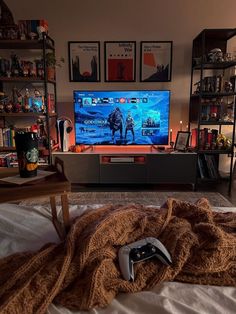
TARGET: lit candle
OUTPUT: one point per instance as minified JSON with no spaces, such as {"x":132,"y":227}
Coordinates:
{"x":170,"y":135}
{"x":187,"y":127}
{"x":181,"y":124}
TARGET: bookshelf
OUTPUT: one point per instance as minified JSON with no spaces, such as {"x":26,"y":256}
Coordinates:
{"x":212,"y":102}
{"x":16,"y":117}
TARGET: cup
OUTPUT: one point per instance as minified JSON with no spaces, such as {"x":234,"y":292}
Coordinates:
{"x":27,"y":153}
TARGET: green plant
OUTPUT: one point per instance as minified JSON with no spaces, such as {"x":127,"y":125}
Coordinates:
{"x":52,"y":61}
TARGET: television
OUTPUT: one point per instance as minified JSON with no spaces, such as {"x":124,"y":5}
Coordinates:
{"x":137,"y":117}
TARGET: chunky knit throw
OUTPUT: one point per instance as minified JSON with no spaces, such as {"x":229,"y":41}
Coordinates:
{"x":83,"y":272}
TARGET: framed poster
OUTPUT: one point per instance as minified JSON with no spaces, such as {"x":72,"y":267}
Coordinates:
{"x":155,"y":61}
{"x":120,"y":61}
{"x":182,"y":141}
{"x":84,"y":61}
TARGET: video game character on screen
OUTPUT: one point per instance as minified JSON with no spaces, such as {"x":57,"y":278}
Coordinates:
{"x":129,"y":125}
{"x":115,"y":120}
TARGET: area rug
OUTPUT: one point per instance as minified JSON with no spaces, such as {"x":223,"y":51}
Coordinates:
{"x":145,"y":198}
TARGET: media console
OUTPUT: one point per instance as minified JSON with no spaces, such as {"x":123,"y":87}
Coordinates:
{"x":104,"y":167}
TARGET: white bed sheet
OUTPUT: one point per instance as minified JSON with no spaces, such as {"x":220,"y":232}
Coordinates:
{"x":28,"y":228}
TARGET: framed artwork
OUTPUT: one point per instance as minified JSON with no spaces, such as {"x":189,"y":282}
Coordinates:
{"x":182,"y":140}
{"x":155,"y":61}
{"x":84,"y":61}
{"x":120,"y":61}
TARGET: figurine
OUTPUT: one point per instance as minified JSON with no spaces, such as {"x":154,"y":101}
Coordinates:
{"x":215,"y":55}
{"x":228,"y":87}
{"x":26,"y":105}
{"x":1,"y":107}
{"x":16,"y":102}
{"x":2,"y":99}
{"x":8,"y":107}
{"x":15,"y":66}
{"x":6,"y":17}
{"x":37,"y":101}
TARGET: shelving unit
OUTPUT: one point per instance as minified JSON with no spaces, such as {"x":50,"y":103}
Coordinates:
{"x":43,"y":46}
{"x":210,"y":101}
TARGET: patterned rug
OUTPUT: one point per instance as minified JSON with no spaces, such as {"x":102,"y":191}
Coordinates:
{"x":145,"y":198}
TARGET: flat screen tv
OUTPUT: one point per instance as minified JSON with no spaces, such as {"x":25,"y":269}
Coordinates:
{"x":138,"y":117}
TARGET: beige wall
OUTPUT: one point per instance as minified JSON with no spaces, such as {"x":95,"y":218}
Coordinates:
{"x":177,"y":20}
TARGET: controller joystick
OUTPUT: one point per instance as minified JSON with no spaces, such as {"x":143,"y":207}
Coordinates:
{"x":139,"y":251}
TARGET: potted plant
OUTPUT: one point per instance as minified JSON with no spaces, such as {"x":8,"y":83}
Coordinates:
{"x":51,"y":63}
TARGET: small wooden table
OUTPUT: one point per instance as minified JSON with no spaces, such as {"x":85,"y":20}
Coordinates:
{"x":51,"y":186}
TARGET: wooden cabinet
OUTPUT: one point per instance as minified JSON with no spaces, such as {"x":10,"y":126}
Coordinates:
{"x":135,"y":168}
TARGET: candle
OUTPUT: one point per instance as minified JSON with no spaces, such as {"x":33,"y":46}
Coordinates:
{"x":181,"y":123}
{"x":170,"y":135}
{"x":187,"y":127}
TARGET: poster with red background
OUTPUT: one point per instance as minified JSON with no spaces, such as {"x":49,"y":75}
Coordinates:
{"x":120,"y":61}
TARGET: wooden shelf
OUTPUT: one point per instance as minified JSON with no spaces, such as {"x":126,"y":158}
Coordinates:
{"x":22,"y":114}
{"x":222,"y":34}
{"x":208,"y":180}
{"x":6,"y":148}
{"x":218,"y":65}
{"x":26,"y":114}
{"x":215,"y":151}
{"x":12,"y":149}
{"x":216,"y":123}
{"x":212,"y":95}
{"x":25,"y":44}
{"x":25,"y":79}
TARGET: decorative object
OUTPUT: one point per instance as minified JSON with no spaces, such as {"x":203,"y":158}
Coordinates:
{"x":182,"y":141}
{"x":156,"y":61}
{"x":84,"y":61}
{"x":223,"y":142}
{"x":171,"y":139}
{"x":215,"y":55}
{"x":8,"y":28}
{"x":32,"y":29}
{"x":120,"y":61}
{"x":52,"y":63}
{"x":27,"y":153}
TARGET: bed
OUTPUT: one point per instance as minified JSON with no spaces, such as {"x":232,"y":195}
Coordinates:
{"x":25,"y":228}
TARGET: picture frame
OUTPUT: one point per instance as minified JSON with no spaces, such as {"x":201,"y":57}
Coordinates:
{"x":156,"y":61}
{"x":120,"y":61}
{"x":182,"y":140}
{"x":84,"y":61}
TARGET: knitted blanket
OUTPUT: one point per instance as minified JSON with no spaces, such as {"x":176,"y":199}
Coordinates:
{"x":83,"y":271}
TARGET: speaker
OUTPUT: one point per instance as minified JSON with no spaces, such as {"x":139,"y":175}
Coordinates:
{"x":64,"y":127}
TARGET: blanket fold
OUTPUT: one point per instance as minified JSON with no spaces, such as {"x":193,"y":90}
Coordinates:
{"x":83,"y":271}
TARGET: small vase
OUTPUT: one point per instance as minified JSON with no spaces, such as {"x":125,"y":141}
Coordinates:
{"x":51,"y":73}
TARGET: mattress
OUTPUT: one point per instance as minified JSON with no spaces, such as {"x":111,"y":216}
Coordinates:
{"x":25,"y":228}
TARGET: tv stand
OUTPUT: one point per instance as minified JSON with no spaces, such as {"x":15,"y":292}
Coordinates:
{"x":87,"y":148}
{"x":131,"y":167}
{"x":158,"y":148}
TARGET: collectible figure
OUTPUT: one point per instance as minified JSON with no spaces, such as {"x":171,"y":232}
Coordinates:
{"x":215,"y":55}
{"x":8,"y":107}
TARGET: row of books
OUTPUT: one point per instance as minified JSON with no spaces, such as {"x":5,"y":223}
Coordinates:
{"x":207,"y":138}
{"x":7,"y":137}
{"x":207,"y":167}
{"x":10,"y":160}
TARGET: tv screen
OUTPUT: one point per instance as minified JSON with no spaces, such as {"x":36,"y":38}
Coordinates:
{"x":122,"y":117}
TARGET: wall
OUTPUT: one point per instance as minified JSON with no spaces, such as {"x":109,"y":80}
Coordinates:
{"x":176,"y":20}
